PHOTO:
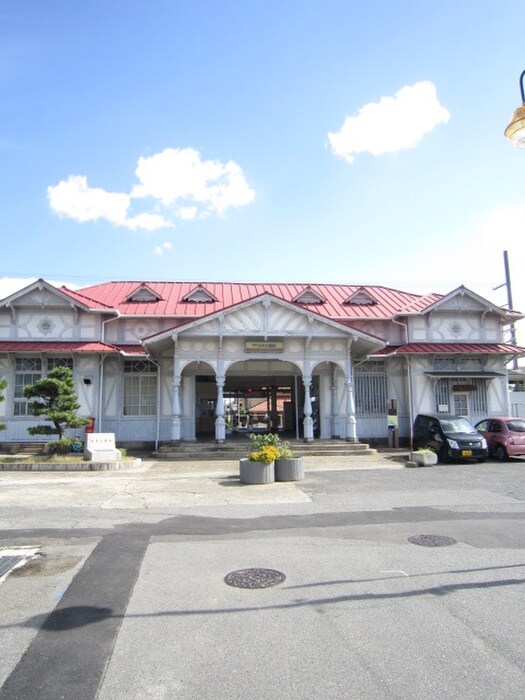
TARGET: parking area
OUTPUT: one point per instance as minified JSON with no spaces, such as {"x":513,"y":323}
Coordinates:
{"x":392,"y":582}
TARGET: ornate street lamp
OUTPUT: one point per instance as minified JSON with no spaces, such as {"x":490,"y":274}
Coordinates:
{"x":516,"y":129}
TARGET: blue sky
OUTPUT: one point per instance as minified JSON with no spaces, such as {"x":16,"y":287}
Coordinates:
{"x":309,"y":141}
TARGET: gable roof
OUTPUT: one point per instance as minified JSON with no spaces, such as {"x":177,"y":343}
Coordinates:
{"x":389,"y":303}
{"x":362,"y":336}
{"x":433,"y":302}
{"x":67,"y":295}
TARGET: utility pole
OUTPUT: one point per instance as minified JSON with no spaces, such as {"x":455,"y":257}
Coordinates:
{"x":507,"y":284}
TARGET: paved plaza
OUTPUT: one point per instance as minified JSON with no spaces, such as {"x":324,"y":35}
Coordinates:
{"x":394,"y":583}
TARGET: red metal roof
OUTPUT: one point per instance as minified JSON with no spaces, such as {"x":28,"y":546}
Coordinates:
{"x":452,"y":348}
{"x":420,"y":303}
{"x":388,"y":302}
{"x":76,"y":295}
{"x":131,"y":349}
{"x":56,"y":346}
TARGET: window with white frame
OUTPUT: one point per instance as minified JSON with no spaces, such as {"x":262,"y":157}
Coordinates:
{"x":53,"y":362}
{"x":457,"y":364}
{"x":140,"y":388}
{"x":29,"y":370}
{"x":370,"y":389}
{"x":444,"y":364}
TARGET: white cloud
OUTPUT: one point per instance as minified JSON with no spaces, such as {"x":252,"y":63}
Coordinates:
{"x":392,"y":124}
{"x":184,"y":186}
{"x":161,"y":249}
{"x":147,"y":222}
{"x":179,"y":175}
{"x":187,"y":213}
{"x":74,"y":198}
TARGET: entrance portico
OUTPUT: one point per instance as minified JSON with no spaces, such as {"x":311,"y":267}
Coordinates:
{"x":264,"y":344}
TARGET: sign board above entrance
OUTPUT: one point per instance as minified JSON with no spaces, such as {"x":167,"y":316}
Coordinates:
{"x":264,"y":346}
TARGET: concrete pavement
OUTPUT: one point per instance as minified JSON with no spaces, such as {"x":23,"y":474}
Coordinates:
{"x":166,"y":485}
{"x":128,"y":599}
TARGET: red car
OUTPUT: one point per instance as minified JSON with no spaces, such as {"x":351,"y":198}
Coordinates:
{"x":505,"y":436}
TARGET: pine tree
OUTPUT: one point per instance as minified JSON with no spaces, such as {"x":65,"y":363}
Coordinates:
{"x":56,"y":401}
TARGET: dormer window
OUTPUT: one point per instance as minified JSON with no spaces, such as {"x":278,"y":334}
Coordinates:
{"x":309,"y":296}
{"x":143,"y":294}
{"x":200,"y":295}
{"x":360,"y":298}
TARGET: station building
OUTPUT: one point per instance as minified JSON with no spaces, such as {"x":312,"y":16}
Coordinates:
{"x":165,"y":362}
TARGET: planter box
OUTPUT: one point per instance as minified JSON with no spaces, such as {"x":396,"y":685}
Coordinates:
{"x":256,"y":472}
{"x":289,"y":469}
{"x":424,"y":459}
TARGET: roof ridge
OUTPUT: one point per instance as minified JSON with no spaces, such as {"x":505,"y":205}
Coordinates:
{"x":288,"y":283}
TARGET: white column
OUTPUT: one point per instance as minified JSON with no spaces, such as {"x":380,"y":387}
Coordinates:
{"x":220,"y":423}
{"x":333,"y":404}
{"x":175,"y":405}
{"x":308,"y":424}
{"x":351,"y":423}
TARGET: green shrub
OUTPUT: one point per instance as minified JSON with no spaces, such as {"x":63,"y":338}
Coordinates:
{"x":64,"y":446}
{"x":285,"y":451}
{"x":259,"y":440}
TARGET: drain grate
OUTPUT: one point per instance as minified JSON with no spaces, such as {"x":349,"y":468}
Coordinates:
{"x":8,"y":563}
{"x":254,"y":578}
{"x":432,"y":540}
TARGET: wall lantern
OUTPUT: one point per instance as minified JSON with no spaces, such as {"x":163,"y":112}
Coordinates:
{"x":516,"y":129}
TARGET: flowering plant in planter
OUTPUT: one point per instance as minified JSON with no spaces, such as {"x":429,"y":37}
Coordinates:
{"x":424,"y":457}
{"x":288,"y":467}
{"x":264,"y":448}
{"x":259,"y":466}
{"x":266,"y":454}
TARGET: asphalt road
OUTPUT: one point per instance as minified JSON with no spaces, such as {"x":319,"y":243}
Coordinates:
{"x":126,"y":597}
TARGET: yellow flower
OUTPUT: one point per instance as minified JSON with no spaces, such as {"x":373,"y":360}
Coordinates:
{"x":267,"y":454}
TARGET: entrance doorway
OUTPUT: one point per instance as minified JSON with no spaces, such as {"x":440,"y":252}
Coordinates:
{"x":255,"y":403}
{"x":259,"y":406}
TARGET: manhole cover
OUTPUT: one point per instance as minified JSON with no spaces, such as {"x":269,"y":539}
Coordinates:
{"x":432,"y":540}
{"x":254,"y":578}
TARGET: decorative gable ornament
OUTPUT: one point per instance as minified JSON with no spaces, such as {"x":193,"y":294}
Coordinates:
{"x":143,"y":294}
{"x":361,"y":298}
{"x":45,"y":326}
{"x":309,"y":296}
{"x":200,"y":295}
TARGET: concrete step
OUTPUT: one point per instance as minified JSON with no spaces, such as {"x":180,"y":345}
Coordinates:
{"x":229,"y":451}
{"x":12,"y":448}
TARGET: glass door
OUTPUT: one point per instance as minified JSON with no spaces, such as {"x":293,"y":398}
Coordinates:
{"x":461,"y":404}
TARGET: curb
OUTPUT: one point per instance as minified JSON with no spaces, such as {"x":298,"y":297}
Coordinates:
{"x":69,"y":466}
